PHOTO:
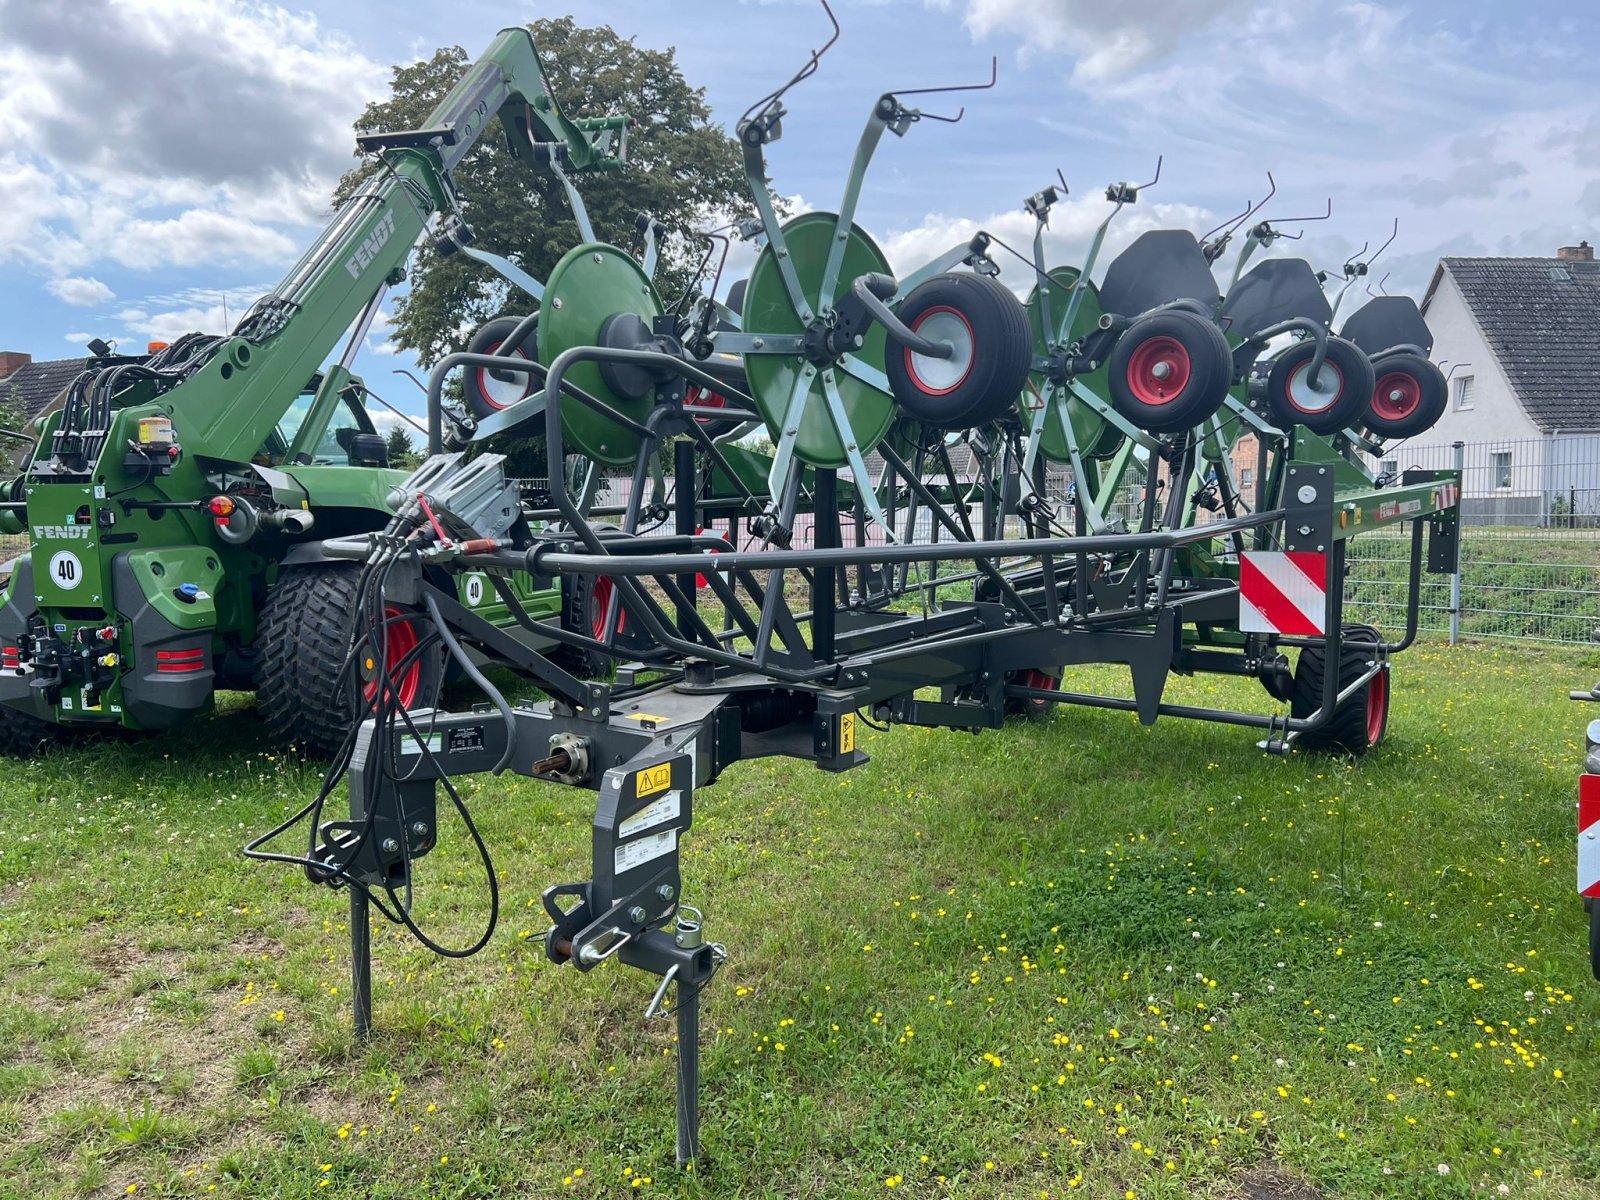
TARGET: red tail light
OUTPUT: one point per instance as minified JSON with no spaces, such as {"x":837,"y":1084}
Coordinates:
{"x":179,"y":662}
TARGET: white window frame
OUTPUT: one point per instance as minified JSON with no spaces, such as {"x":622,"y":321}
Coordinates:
{"x":1464,"y":401}
{"x":1495,"y":458}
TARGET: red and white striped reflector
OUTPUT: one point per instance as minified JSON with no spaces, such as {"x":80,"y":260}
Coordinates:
{"x":175,"y":662}
{"x":1589,"y":835}
{"x":1447,"y":495}
{"x":1283,"y":592}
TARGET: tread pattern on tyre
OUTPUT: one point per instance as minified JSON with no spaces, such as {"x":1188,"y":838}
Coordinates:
{"x":307,"y":626}
{"x":1346,"y":733}
{"x":23,"y":735}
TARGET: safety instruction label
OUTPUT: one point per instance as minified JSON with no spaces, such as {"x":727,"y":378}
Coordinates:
{"x":657,"y":811}
{"x":847,"y":733}
{"x":652,"y":780}
{"x":634,"y":854}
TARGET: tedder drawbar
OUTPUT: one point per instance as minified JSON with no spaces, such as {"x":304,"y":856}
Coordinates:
{"x":929,"y":593}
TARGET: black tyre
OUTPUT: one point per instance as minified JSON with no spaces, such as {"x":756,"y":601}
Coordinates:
{"x":584,"y":601}
{"x":23,"y":735}
{"x":1408,"y":398}
{"x":1170,"y":371}
{"x":988,"y":328}
{"x":1359,"y":723}
{"x":1340,"y":397}
{"x":1594,"y":936}
{"x":308,"y":625}
{"x":486,"y":392}
{"x":1029,"y":706}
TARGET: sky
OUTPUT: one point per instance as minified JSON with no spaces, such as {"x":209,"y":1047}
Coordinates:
{"x":164,"y":160}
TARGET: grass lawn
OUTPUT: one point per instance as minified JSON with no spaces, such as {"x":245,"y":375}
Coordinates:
{"x":1076,"y":957}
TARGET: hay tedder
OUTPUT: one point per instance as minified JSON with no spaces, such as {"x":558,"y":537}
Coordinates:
{"x":997,"y":491}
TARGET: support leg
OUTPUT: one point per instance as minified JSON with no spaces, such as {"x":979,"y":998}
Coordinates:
{"x":361,"y":963}
{"x":688,"y":1074}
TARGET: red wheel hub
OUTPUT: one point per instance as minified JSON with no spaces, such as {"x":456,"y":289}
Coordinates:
{"x":400,"y":639}
{"x":1377,"y":706}
{"x":698,"y":397}
{"x":1158,"y":370}
{"x":487,"y":383}
{"x":1396,"y":395}
{"x":941,"y":319}
{"x":605,"y":589}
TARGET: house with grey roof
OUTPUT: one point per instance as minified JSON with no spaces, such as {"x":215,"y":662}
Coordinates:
{"x":38,"y":385}
{"x":1519,"y":340}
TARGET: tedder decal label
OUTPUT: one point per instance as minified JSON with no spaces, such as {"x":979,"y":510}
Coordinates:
{"x":1283,"y":592}
{"x":657,"y":811}
{"x":369,"y":246}
{"x":847,"y":733}
{"x":66,"y":570}
{"x":652,"y":780}
{"x":634,"y":854}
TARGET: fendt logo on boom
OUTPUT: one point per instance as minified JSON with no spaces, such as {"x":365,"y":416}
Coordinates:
{"x":60,"y":532}
{"x":370,"y":245}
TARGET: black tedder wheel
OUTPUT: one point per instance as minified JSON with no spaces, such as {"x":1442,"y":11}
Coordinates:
{"x":987,"y":326}
{"x":1170,"y":371}
{"x":1594,"y":936}
{"x":1408,"y":398}
{"x":307,"y":627}
{"x":1340,"y":397}
{"x":584,"y":600}
{"x":486,"y":393}
{"x":1359,"y":723}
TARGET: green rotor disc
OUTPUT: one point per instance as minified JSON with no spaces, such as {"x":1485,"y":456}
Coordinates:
{"x":767,"y":309}
{"x":1097,"y":438}
{"x":591,"y":283}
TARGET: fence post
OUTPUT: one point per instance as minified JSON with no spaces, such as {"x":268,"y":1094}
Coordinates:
{"x":1455,"y":576}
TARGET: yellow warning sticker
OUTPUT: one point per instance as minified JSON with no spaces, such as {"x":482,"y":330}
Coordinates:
{"x":847,"y":733}
{"x":652,"y":780}
{"x":642,"y":717}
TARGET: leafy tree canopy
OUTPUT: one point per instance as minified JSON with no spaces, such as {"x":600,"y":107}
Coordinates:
{"x":683,"y":170}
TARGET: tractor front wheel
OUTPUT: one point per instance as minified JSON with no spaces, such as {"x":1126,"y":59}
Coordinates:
{"x":308,"y":626}
{"x":1362,"y":718}
{"x":23,"y":735}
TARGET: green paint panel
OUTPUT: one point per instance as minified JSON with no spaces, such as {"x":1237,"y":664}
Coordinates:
{"x":767,"y":309}
{"x":1096,"y":437}
{"x":590,"y":284}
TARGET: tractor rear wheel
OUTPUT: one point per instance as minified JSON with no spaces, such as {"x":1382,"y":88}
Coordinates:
{"x":1361,"y":719}
{"x":308,"y":626}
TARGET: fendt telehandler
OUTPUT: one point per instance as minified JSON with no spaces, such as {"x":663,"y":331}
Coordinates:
{"x":177,"y":503}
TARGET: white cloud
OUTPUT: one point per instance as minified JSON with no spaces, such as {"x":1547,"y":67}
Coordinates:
{"x":169,"y":132}
{"x":80,"y":291}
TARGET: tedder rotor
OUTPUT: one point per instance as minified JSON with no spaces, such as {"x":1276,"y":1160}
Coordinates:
{"x":928,"y":592}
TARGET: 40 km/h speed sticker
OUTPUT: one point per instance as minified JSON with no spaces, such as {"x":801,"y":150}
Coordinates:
{"x":474,"y":590}
{"x":66,"y":570}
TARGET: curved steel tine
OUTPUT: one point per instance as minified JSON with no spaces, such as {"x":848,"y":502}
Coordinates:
{"x":1351,"y":262}
{"x":1304,"y":220}
{"x":1382,"y":291}
{"x":1065,"y":190}
{"x":1394,"y":233}
{"x":1233,"y":223}
{"x":804,"y":72}
{"x":1159,"y":159}
{"x":960,"y":112}
{"x":994,"y":78}
{"x":1230,"y":221}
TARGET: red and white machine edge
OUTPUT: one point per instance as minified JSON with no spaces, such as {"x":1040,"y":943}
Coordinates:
{"x":1589,"y":835}
{"x":1283,"y":592}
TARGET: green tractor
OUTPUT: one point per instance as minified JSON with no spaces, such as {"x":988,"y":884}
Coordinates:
{"x":178,"y":502}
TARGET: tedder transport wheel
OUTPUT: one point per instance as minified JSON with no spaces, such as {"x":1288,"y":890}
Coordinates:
{"x":1340,"y":397}
{"x":307,"y":627}
{"x":1028,"y":706}
{"x":1408,"y":398}
{"x":1359,"y":723}
{"x":1170,"y":371}
{"x":584,"y":599}
{"x":486,"y":394}
{"x":986,"y":326}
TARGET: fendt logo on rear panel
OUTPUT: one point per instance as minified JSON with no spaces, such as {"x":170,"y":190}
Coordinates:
{"x":60,"y":532}
{"x":369,"y":247}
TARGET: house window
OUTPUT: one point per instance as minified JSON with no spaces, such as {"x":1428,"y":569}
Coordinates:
{"x":1390,"y":468}
{"x":1246,"y":476}
{"x":1464,"y":394}
{"x":1500,"y":468}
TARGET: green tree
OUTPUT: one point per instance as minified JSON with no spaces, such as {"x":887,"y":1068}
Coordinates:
{"x":402,"y":450}
{"x":682,"y":169}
